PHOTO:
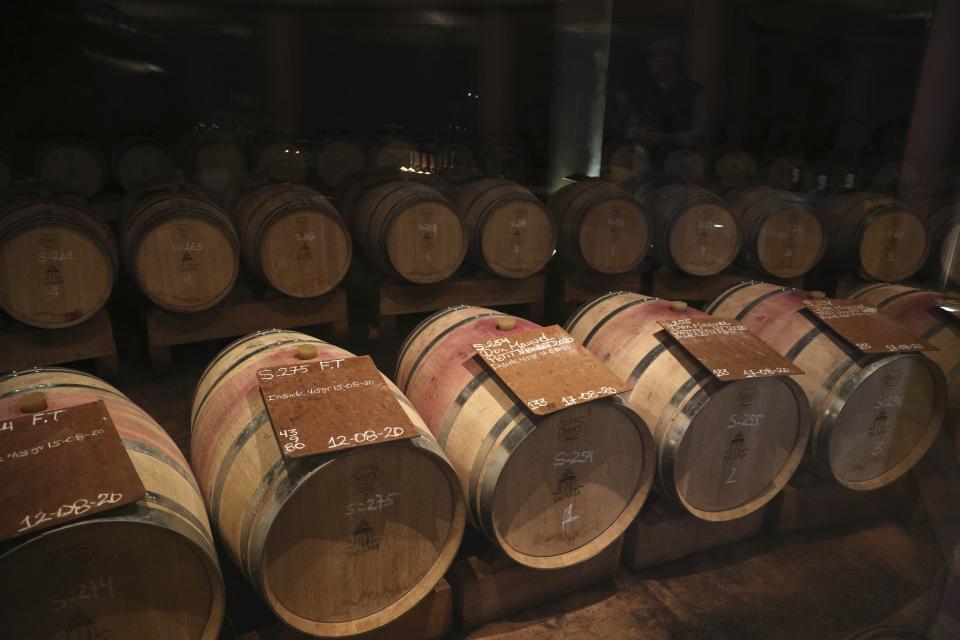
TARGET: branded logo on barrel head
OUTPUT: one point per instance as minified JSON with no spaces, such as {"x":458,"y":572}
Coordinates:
{"x":567,"y":486}
{"x":737,"y":448}
{"x":364,"y":476}
{"x":53,"y":275}
{"x":880,"y":424}
{"x":892,"y":377}
{"x":82,"y":627}
{"x":571,"y":430}
{"x":69,"y":563}
{"x":364,"y":539}
{"x":48,"y":241}
{"x":747,"y":395}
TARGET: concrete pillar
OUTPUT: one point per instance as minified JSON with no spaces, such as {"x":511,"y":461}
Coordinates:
{"x":936,"y":106}
{"x":580,"y":60}
{"x":281,"y":66}
{"x":497,"y":76}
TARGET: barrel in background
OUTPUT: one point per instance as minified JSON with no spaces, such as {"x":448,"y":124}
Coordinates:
{"x":685,"y":164}
{"x":735,"y":168}
{"x":874,"y":416}
{"x":324,"y":568}
{"x":73,"y":162}
{"x":708,"y":460}
{"x":58,"y":263}
{"x":781,"y":234}
{"x":873,"y":236}
{"x":284,"y":160}
{"x":551,"y":491}
{"x":693,"y":231}
{"x":943,"y":230}
{"x":600,"y":227}
{"x":509,"y":231}
{"x":338,"y":160}
{"x":214,"y":160}
{"x":406,"y":229}
{"x":141,"y":162}
{"x":181,"y":250}
{"x":292,"y":238}
{"x":152,"y":566}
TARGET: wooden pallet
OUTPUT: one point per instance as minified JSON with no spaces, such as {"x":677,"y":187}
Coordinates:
{"x":491,"y":588}
{"x":388,"y":298}
{"x":242,"y":312}
{"x":664,"y":532}
{"x":809,"y":502}
{"x":671,"y":285}
{"x":574,"y":288}
{"x":431,"y":619}
{"x":22,"y":347}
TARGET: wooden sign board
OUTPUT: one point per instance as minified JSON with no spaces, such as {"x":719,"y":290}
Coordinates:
{"x":728,"y":349}
{"x":865,"y":328}
{"x":547,"y":370}
{"x":62,"y":465}
{"x":330,"y":405}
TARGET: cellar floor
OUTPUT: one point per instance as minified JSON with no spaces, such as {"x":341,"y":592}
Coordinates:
{"x":823,"y":584}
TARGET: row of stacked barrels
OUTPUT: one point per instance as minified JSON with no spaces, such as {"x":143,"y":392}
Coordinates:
{"x":214,"y":159}
{"x":58,"y":263}
{"x":345,"y":542}
{"x":625,"y":161}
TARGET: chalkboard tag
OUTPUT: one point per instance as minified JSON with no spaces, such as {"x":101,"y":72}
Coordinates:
{"x":61,"y":465}
{"x":331,"y":405}
{"x":728,"y":349}
{"x":863,"y":327}
{"x":547,"y":370}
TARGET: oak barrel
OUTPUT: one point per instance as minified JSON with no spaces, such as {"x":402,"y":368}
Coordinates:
{"x":874,"y":416}
{"x":141,"y":162}
{"x":147,"y":570}
{"x":292,"y":238}
{"x":180,"y":249}
{"x":874,"y":235}
{"x":338,"y":160}
{"x":919,"y":311}
{"x":551,"y":491}
{"x":693,"y":231}
{"x":686,"y":164}
{"x":57,"y":262}
{"x":283,"y":160}
{"x":215,"y":162}
{"x":72,"y":162}
{"x":735,"y":167}
{"x":787,"y":171}
{"x":407,"y":229}
{"x":943,"y":230}
{"x":781,"y":234}
{"x":600,"y":226}
{"x":724,"y":448}
{"x":508,"y":230}
{"x":300,"y":528}
{"x":624,"y":160}
{"x":394,"y":151}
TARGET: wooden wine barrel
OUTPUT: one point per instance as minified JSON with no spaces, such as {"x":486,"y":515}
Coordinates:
{"x":148,"y":570}
{"x":509,"y":231}
{"x":394,"y":152}
{"x":624,"y":160}
{"x":874,"y":416}
{"x":781,"y":234}
{"x":686,"y":164}
{"x":507,"y":158}
{"x":724,"y":448}
{"x":788,"y":171}
{"x":551,"y":491}
{"x":283,"y":160}
{"x":216,"y":162}
{"x":338,"y":160}
{"x":292,"y":238}
{"x":693,"y":231}
{"x":57,"y":263}
{"x":407,"y":230}
{"x":72,"y":162}
{"x":874,"y":235}
{"x":299,"y":529}
{"x":181,"y":250}
{"x":141,"y":162}
{"x":735,"y":167}
{"x":453,"y":154}
{"x":918,"y":310}
{"x":943,"y":230}
{"x":601,"y":227}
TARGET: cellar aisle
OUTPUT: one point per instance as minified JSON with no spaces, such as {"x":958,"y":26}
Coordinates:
{"x":823,"y":584}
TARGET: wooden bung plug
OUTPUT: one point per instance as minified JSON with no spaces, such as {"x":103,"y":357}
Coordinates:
{"x":33,"y":402}
{"x":306,"y":352}
{"x":678,"y":306}
{"x":817,"y":295}
{"x":507,"y":324}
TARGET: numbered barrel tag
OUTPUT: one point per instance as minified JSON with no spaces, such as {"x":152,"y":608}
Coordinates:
{"x":61,"y":465}
{"x":866,"y":329}
{"x":320,"y":406}
{"x":547,"y":370}
{"x":728,"y":349}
